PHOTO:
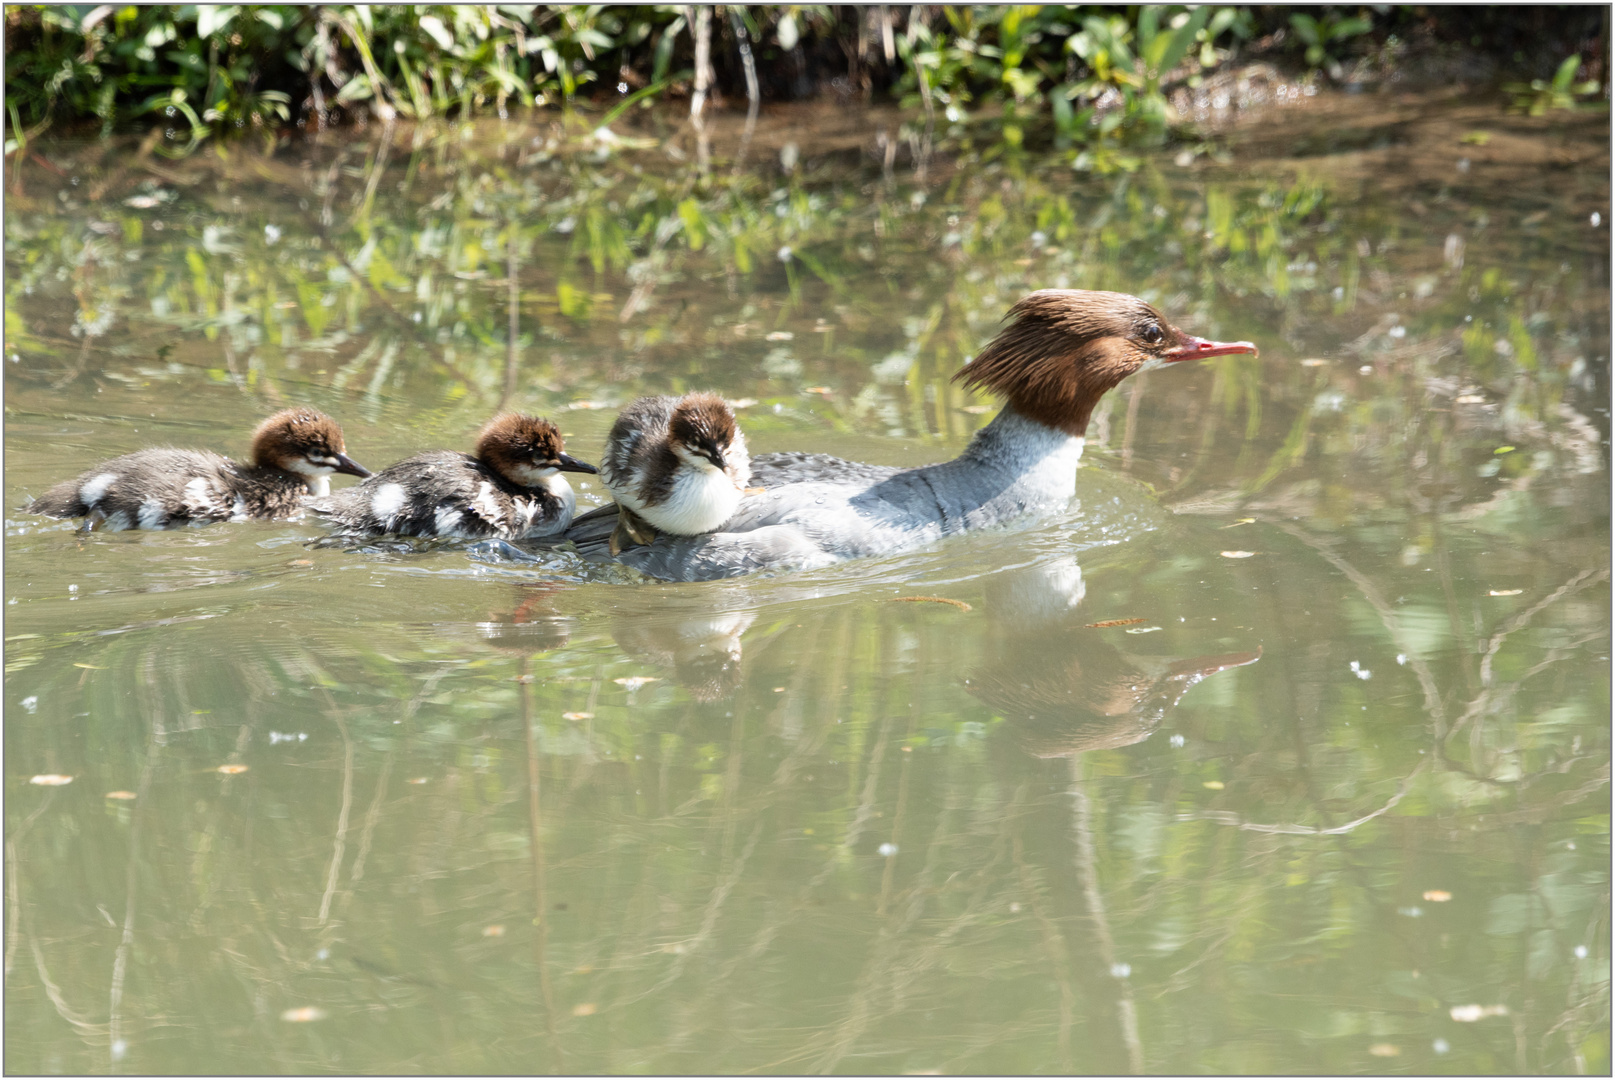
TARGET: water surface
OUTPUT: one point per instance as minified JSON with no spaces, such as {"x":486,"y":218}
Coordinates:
{"x":1328,"y":794}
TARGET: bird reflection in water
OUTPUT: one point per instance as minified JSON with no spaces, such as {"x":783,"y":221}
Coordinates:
{"x":1063,"y":688}
{"x":533,"y":626}
{"x":700,"y":648}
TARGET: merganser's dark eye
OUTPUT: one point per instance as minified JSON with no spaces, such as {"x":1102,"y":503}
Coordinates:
{"x":1152,"y":335}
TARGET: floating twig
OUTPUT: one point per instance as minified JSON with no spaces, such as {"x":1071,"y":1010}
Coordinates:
{"x":960,"y":604}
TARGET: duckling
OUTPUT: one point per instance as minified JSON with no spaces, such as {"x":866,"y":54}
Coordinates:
{"x":510,"y":488}
{"x":294,"y":452}
{"x":674,"y":465}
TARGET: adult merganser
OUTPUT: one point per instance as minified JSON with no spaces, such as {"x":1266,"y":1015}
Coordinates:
{"x":511,"y":488}
{"x":674,"y":465}
{"x":1066,"y":348}
{"x":294,"y":453}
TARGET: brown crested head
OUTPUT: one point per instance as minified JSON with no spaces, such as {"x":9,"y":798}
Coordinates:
{"x":704,"y":425}
{"x":304,"y":441}
{"x":1067,"y":347}
{"x":525,"y":449}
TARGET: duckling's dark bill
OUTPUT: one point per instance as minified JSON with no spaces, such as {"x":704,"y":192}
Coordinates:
{"x":345,"y":464}
{"x":568,"y":463}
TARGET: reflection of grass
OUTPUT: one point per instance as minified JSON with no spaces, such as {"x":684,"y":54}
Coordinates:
{"x":711,"y":879}
{"x":671,"y":276}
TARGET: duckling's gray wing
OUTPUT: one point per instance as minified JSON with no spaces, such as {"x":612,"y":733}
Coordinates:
{"x":639,"y":430}
{"x":159,"y":488}
{"x":795,"y":467}
{"x":591,"y":532}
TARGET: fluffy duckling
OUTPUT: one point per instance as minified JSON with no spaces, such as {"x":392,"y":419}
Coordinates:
{"x":674,"y":465}
{"x":294,"y":454}
{"x":511,"y":488}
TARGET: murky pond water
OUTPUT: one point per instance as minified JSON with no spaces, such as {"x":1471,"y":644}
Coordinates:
{"x":1285,"y":750}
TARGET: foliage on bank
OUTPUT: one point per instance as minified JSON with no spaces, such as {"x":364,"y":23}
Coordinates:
{"x":1093,"y":72}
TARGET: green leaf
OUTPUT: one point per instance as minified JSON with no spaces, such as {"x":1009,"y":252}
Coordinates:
{"x":1348,"y":28}
{"x":357,"y":88}
{"x":211,"y":18}
{"x":440,"y":33}
{"x":640,"y":94}
{"x":1148,"y":20}
{"x":1221,"y":21}
{"x":1306,"y":28}
{"x":1566,"y":72}
{"x":1061,"y":107}
{"x":664,"y":49}
{"x":1182,"y":38}
{"x":694,"y":229}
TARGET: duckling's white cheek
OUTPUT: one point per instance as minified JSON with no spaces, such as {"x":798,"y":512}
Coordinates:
{"x":528,"y":476}
{"x":308,"y":466}
{"x":694,"y":461}
{"x":96,"y":487}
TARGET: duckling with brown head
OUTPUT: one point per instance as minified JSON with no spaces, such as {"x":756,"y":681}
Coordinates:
{"x":294,"y":453}
{"x":511,"y":488}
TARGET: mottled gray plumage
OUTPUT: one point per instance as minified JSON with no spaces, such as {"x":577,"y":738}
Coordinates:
{"x":167,"y":488}
{"x":637,"y":448}
{"x":443,"y":493}
{"x":511,"y":489}
{"x":796,"y":466}
{"x":159,"y":489}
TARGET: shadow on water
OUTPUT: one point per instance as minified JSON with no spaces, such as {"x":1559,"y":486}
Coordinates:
{"x":1285,"y":749}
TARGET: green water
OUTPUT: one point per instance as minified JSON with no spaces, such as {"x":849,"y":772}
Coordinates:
{"x":1335,"y":801}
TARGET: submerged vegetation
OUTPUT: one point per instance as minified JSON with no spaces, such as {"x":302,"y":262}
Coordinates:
{"x":1089,"y":73}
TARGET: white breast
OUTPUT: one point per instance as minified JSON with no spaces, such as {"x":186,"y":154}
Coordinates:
{"x":701,"y":501}
{"x":556,"y":485}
